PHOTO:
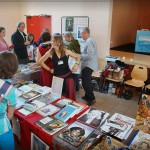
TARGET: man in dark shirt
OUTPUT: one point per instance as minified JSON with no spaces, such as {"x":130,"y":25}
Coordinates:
{"x":20,"y":43}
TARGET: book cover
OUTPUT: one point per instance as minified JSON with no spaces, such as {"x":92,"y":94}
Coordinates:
{"x":47,"y":98}
{"x":48,"y":110}
{"x":25,"y":88}
{"x":43,"y":90}
{"x":65,"y":113}
{"x":54,"y":126}
{"x":94,"y":137}
{"x":120,"y":122}
{"x":44,"y":121}
{"x":143,"y":115}
{"x":108,"y":143}
{"x":62,"y":103}
{"x":141,"y":141}
{"x":111,"y":130}
{"x":93,"y":117}
{"x":76,"y":133}
{"x":5,"y":87}
{"x":30,"y":95}
{"x":27,"y":111}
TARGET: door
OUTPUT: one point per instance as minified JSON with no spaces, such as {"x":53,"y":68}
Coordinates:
{"x":36,"y":24}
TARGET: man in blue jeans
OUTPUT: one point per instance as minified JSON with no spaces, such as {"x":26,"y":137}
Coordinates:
{"x":89,"y":59}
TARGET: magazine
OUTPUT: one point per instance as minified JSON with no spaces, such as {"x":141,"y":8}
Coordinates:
{"x":30,"y":95}
{"x":143,"y":115}
{"x":29,"y":108}
{"x":43,"y":90}
{"x":25,"y":88}
{"x":76,"y":133}
{"x":47,"y":98}
{"x":44,"y":121}
{"x":54,"y":126}
{"x":141,"y":141}
{"x":65,"y":113}
{"x":93,"y":117}
{"x":114,"y":131}
{"x":48,"y":110}
{"x":108,"y":143}
{"x":94,"y":137}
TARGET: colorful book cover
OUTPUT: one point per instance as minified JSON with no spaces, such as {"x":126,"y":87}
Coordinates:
{"x":108,"y":143}
{"x":47,"y":98}
{"x":27,"y":111}
{"x":43,"y":90}
{"x":65,"y":113}
{"x":143,"y":115}
{"x":48,"y":110}
{"x":54,"y":126}
{"x":93,"y":117}
{"x":44,"y":121}
{"x":30,"y":95}
{"x":111,"y":130}
{"x":5,"y":87}
{"x":141,"y":141}
{"x":76,"y":133}
{"x":94,"y":137}
{"x":120,"y":122}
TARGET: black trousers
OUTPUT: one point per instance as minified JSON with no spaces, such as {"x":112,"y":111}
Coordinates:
{"x":86,"y":83}
{"x":76,"y":81}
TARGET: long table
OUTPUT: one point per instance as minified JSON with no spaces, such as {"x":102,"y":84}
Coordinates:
{"x":27,"y":126}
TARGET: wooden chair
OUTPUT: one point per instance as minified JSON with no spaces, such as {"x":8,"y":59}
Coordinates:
{"x":138,"y":75}
{"x":147,"y":88}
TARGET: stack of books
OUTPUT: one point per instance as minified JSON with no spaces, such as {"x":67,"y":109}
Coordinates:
{"x":93,"y":117}
{"x":119,"y":126}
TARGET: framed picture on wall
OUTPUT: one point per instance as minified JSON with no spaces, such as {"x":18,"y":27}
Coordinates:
{"x":79,"y":28}
{"x":37,"y":143}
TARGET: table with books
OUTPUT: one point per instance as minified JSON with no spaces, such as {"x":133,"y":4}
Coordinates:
{"x":61,"y":123}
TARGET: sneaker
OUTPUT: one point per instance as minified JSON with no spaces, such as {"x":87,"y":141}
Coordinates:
{"x":90,"y":103}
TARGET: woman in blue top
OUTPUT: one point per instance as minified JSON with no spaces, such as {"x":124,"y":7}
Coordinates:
{"x":8,"y":67}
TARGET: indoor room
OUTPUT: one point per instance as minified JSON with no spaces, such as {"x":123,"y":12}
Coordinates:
{"x":75,"y":74}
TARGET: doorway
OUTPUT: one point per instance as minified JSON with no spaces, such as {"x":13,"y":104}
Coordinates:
{"x":35,"y":25}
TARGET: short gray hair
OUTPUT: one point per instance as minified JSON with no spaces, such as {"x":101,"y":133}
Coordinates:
{"x":85,"y":29}
{"x":19,"y":24}
{"x":69,"y":34}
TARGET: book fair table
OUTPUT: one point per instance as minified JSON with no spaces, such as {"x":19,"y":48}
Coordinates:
{"x":28,"y":126}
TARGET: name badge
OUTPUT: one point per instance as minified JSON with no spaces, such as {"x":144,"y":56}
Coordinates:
{"x":60,"y":62}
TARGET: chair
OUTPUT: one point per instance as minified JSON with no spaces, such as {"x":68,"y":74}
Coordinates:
{"x":139,"y":76}
{"x":147,"y":88}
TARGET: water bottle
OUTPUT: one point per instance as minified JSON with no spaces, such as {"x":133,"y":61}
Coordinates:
{"x":110,"y":88}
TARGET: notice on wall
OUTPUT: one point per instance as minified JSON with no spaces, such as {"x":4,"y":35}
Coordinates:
{"x":142,"y":41}
{"x":69,"y":24}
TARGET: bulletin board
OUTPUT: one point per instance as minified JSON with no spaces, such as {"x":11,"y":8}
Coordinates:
{"x":73,"y":24}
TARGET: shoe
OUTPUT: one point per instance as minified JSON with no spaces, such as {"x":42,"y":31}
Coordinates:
{"x":90,"y":103}
{"x":84,"y":98}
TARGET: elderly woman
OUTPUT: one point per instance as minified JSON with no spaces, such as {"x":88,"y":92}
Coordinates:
{"x":8,"y":67}
{"x":3,"y":45}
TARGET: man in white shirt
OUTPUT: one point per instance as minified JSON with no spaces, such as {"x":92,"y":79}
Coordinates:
{"x":89,"y":64}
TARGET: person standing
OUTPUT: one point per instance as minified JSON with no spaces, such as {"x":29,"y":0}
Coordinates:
{"x":20,"y":43}
{"x":89,"y":60}
{"x":75,"y":47}
{"x":59,"y":55}
{"x":8,"y":67}
{"x":3,"y":45}
{"x":45,"y":76}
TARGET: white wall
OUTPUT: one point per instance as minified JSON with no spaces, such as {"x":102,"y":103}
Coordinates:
{"x":99,"y":17}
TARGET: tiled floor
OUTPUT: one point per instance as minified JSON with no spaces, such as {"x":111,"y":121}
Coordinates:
{"x":109,"y":103}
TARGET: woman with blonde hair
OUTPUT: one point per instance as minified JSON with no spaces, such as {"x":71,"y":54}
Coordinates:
{"x":59,"y":55}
